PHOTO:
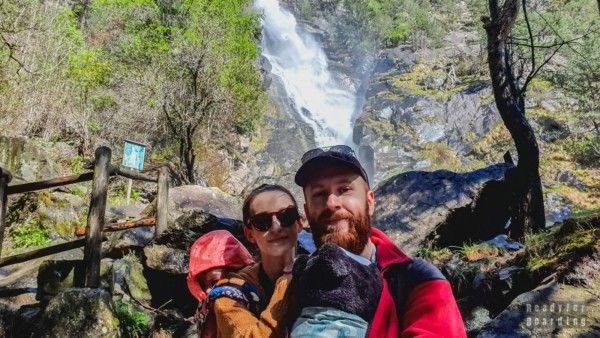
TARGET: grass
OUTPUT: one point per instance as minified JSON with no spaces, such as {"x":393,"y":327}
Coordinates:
{"x":30,"y":235}
{"x":477,"y":252}
{"x":132,"y":322}
{"x":561,"y":246}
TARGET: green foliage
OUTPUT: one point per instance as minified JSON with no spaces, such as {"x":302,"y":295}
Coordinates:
{"x":30,"y":234}
{"x":585,"y":150}
{"x":132,"y":322}
{"x":395,"y":21}
{"x":77,"y":165}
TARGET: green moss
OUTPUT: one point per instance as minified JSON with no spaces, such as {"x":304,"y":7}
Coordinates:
{"x":77,"y":165}
{"x":31,"y":234}
{"x":538,"y":86}
{"x":552,"y":250}
{"x":131,"y":321}
{"x":65,"y":229}
{"x":45,"y":198}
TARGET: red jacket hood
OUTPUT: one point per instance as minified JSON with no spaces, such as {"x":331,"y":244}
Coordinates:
{"x":387,"y":252}
{"x":216,"y":249}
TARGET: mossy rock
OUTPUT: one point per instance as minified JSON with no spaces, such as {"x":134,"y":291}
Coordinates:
{"x":562,"y":249}
{"x":81,"y":311}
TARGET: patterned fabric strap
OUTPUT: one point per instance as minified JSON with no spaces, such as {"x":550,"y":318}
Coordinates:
{"x":244,"y":293}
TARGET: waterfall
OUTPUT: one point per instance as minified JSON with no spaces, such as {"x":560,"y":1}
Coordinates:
{"x":300,"y":63}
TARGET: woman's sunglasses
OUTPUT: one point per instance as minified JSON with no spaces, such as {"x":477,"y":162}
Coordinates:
{"x":263,"y":221}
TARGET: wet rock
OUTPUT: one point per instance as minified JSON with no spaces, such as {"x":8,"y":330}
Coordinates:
{"x":86,"y":312}
{"x":418,"y":209}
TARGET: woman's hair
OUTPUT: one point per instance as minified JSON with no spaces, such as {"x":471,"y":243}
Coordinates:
{"x":258,"y":190}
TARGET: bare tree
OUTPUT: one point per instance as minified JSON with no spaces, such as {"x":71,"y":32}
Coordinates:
{"x":528,"y":207}
{"x":194,"y":103}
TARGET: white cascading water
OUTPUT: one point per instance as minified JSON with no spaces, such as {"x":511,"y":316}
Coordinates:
{"x":300,"y":63}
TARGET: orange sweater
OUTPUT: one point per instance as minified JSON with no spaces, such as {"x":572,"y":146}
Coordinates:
{"x":235,"y":320}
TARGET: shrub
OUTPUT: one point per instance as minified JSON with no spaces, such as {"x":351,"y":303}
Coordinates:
{"x":585,"y":150}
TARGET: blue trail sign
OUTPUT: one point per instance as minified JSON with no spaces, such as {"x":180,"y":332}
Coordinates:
{"x":133,"y":155}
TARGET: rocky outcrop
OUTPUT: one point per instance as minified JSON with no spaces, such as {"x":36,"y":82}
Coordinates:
{"x":420,"y":209}
{"x":33,"y":159}
{"x":188,"y":198}
{"x":403,"y":113}
{"x":549,"y":310}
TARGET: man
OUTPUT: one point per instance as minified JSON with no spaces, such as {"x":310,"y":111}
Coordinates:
{"x":416,"y":299}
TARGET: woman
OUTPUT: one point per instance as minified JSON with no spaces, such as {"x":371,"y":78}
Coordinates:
{"x":272,"y":223}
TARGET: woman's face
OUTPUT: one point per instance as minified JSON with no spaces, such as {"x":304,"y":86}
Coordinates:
{"x":277,"y":241}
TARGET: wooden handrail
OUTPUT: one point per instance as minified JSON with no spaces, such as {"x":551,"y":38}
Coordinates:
{"x":95,"y":227}
{"x":111,"y":227}
{"x":66,"y":180}
{"x":49,"y":250}
{"x":55,"y":182}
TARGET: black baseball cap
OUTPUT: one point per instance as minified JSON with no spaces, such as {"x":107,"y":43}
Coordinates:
{"x":339,"y":154}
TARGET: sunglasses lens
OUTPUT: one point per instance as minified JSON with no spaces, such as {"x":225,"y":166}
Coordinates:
{"x":288,"y":217}
{"x":261,"y":222}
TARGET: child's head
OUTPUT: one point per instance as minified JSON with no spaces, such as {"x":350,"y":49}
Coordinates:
{"x":211,"y":256}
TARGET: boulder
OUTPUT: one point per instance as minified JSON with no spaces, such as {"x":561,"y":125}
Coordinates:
{"x":187,"y":198}
{"x":553,"y":309}
{"x":81,"y":311}
{"x":61,"y":212}
{"x":129,"y":279}
{"x":34,"y":159}
{"x":420,"y":209}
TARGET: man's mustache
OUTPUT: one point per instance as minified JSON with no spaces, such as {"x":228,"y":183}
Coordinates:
{"x":329,"y":216}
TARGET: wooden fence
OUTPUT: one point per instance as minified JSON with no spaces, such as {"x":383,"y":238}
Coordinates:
{"x":96,"y":220}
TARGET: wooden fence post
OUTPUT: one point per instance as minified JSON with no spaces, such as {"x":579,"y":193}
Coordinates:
{"x":162,"y":201}
{"x":95,"y":223}
{"x":5,"y":178}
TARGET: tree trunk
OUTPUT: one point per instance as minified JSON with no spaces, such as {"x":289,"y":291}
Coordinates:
{"x":528,"y":207}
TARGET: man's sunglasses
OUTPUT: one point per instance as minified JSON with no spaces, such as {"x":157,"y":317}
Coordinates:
{"x":343,"y":152}
{"x":264,"y":220}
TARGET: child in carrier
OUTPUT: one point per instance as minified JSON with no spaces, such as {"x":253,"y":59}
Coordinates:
{"x":211,"y":257}
{"x":336,"y":293}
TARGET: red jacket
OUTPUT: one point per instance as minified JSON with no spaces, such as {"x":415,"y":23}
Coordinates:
{"x":430,"y":309}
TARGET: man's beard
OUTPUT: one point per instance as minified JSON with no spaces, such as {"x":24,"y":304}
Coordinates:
{"x":353,"y":240}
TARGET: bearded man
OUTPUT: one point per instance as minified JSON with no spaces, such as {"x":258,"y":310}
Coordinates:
{"x":416,"y":299}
